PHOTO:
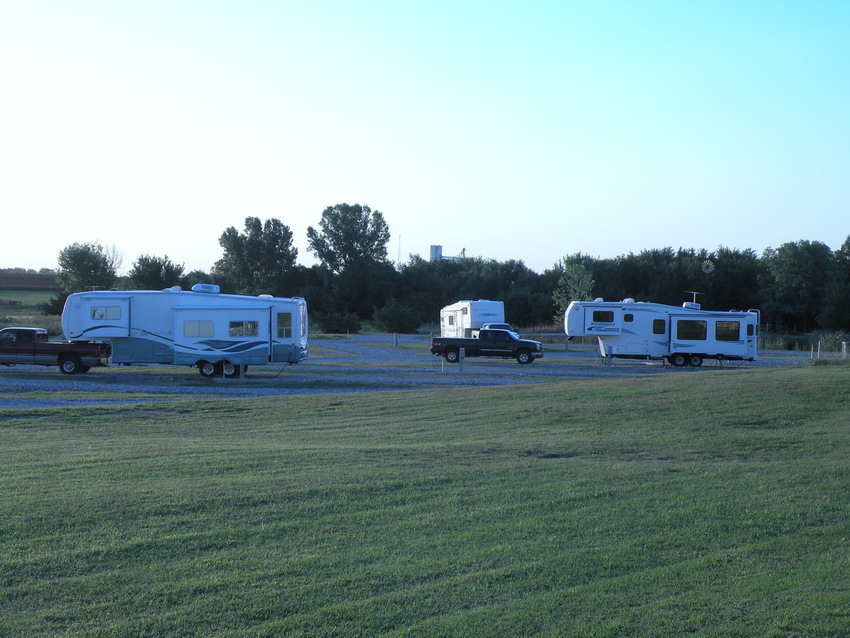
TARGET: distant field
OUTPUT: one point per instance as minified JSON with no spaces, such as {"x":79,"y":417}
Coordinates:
{"x":662,"y":505}
{"x":24,"y":308}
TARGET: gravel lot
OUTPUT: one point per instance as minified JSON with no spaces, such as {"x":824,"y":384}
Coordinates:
{"x":362,"y":363}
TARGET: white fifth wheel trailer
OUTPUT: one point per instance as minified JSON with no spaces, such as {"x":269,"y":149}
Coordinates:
{"x":682,"y":335}
{"x":461,"y":318}
{"x":215,"y":332}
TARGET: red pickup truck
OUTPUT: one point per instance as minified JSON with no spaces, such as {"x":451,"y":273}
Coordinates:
{"x":31,"y":346}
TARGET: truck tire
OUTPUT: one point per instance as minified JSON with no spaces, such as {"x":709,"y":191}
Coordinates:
{"x":524,"y":356}
{"x":451,"y":355}
{"x":206,"y":368}
{"x":69,"y":364}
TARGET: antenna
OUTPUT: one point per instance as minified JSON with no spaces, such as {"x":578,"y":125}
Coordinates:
{"x":694,"y":293}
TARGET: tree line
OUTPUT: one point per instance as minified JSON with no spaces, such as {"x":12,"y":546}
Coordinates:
{"x":799,"y":287}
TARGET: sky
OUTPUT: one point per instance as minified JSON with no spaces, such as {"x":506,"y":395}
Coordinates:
{"x":509,"y":130}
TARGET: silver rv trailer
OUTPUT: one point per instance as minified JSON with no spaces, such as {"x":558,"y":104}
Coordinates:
{"x":217,"y":333}
{"x":683,"y":335}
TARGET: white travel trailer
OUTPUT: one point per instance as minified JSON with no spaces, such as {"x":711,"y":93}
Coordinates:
{"x":461,"y":318}
{"x":216,"y":333}
{"x":683,"y":336}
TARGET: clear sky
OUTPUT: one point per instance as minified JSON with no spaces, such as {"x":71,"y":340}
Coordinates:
{"x":515,"y":130}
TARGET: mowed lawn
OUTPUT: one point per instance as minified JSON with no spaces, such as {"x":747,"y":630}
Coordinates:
{"x":692,"y":502}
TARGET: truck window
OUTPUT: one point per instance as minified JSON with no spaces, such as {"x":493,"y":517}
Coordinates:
{"x":105,"y":312}
{"x":284,"y":325}
{"x":659,"y":326}
{"x":603,"y":316}
{"x":727,"y":330}
{"x":689,"y":330}
{"x":244,"y":329}
{"x":197,"y":329}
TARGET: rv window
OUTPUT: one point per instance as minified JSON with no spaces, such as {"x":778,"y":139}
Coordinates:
{"x":284,"y":325}
{"x":727,"y":330}
{"x":451,"y":320}
{"x":628,"y":318}
{"x":464,"y":311}
{"x":659,"y":326}
{"x":689,"y":330}
{"x":243,"y":329}
{"x":751,"y":330}
{"x":603,"y":316}
{"x":197,"y":328}
{"x":106,"y":312}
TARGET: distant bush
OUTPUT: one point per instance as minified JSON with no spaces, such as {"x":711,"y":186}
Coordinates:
{"x":831,"y":341}
{"x":338,"y":322}
{"x":395,"y":316}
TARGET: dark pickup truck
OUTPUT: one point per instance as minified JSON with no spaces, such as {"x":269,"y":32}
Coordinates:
{"x":31,"y":346}
{"x":505,"y":344}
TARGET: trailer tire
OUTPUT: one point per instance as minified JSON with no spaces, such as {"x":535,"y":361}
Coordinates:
{"x":229,"y":370}
{"x":677,"y":360}
{"x":695,"y":360}
{"x":451,"y":355}
{"x":206,"y":368}
{"x":70,"y":364}
{"x":524,"y":356}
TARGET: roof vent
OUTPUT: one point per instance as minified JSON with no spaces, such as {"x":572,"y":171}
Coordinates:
{"x":208,"y":288}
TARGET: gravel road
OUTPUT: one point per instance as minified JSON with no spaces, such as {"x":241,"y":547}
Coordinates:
{"x":361,"y":363}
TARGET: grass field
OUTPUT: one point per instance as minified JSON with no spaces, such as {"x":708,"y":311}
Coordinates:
{"x":694,"y":504}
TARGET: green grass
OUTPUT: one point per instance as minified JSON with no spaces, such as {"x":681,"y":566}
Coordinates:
{"x":705,"y":504}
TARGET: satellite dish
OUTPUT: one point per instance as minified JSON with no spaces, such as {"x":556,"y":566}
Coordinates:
{"x":708,"y":266}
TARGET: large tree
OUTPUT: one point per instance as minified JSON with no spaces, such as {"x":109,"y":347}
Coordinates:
{"x":799,"y":275}
{"x":349,"y":235}
{"x":258,"y":260}
{"x":155,"y":273}
{"x":87,"y":266}
{"x":83,"y":266}
{"x":575,"y":284}
{"x":836,"y":311}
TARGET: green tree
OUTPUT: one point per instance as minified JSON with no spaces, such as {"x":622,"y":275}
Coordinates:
{"x":799,"y":275}
{"x":575,"y":284}
{"x":836,"y":312}
{"x":257,"y":261}
{"x":83,"y":266}
{"x":87,"y":266}
{"x":155,"y":273}
{"x":349,"y":235}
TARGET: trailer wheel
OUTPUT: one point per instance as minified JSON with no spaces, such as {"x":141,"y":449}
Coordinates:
{"x":524,"y":356}
{"x":677,"y":360}
{"x":70,"y":364}
{"x":695,"y":360}
{"x":206,"y":368}
{"x":451,"y":355}
{"x":229,"y":370}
